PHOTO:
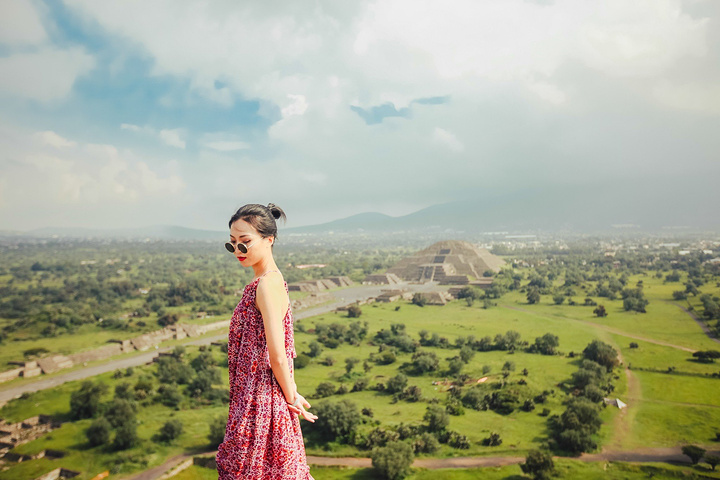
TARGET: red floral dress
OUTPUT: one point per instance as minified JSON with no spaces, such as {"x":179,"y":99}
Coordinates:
{"x":262,"y":437}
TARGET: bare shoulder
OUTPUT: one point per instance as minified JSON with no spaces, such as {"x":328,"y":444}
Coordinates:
{"x":271,"y":283}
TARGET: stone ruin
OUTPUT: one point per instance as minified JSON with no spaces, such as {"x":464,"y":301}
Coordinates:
{"x":450,"y":262}
{"x":382,"y":279}
{"x":314,"y":286}
{"x":14,"y":434}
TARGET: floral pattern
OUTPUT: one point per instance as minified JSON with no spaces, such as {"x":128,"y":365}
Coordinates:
{"x":262,"y":437}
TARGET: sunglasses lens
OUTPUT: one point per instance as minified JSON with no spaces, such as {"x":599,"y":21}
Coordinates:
{"x":242,"y":248}
{"x":230,"y":248}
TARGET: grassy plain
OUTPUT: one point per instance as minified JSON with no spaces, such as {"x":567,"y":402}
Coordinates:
{"x":664,"y":409}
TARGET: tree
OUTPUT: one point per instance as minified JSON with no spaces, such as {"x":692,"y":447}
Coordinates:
{"x":315,"y":349}
{"x":393,"y":461}
{"x":547,"y":344}
{"x":436,"y":418}
{"x":340,"y":420}
{"x":419,"y":300}
{"x":493,"y":440}
{"x":171,"y":430}
{"x":126,"y":435}
{"x":85,"y":402}
{"x":533,"y":296}
{"x":98,"y":433}
{"x":679,"y":295}
{"x":354,"y":311}
{"x":217,"y":431}
{"x":169,"y":395}
{"x":350,"y":364}
{"x":426,"y":443}
{"x":168,"y":319}
{"x":602,"y":353}
{"x":694,"y":452}
{"x":712,"y":460}
{"x":539,"y":464}
{"x":423,"y":362}
{"x":397,"y":383}
{"x":119,"y":411}
{"x":600,"y":311}
{"x":325,"y":389}
{"x":706,"y":356}
{"x":558,"y":298}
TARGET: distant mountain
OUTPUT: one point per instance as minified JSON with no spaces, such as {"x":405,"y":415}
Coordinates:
{"x":597,"y":210}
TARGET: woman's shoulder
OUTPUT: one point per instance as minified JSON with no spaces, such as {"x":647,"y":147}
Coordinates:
{"x":271,"y":280}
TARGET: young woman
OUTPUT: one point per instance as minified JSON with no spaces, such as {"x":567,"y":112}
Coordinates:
{"x":262,"y":437}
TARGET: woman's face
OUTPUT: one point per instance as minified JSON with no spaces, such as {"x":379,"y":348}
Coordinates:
{"x":242,"y":232}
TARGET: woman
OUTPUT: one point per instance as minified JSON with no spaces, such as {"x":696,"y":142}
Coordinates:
{"x":262,"y":437}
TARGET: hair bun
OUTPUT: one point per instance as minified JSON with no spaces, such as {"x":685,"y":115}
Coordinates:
{"x":275,"y":211}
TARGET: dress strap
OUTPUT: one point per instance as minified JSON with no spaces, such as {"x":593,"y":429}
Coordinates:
{"x":269,"y":271}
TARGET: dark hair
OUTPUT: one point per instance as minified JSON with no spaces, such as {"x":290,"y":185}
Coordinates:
{"x":262,"y":218}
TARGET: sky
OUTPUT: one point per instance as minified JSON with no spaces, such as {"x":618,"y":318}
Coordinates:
{"x":118,"y":114}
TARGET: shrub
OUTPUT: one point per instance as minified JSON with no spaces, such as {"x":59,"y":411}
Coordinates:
{"x":171,"y":430}
{"x":493,"y":440}
{"x":426,"y":443}
{"x":458,"y":441}
{"x":538,"y":464}
{"x":393,"y":461}
{"x":340,"y":420}
{"x":85,"y":402}
{"x":328,"y":361}
{"x":119,"y":411}
{"x":354,"y":311}
{"x":217,"y":431}
{"x":396,"y":384}
{"x":419,"y":300}
{"x":301,"y":361}
{"x":126,"y":435}
{"x":169,"y":395}
{"x":436,"y":418}
{"x":694,"y":452}
{"x":325,"y":389}
{"x":98,"y":433}
{"x":379,"y":437}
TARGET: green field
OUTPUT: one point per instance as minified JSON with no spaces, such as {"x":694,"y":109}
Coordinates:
{"x":664,"y":409}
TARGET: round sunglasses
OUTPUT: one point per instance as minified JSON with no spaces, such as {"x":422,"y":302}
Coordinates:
{"x":241,"y":247}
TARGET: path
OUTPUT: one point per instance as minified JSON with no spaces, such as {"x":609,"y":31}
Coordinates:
{"x":603,"y":327}
{"x":345,"y":296}
{"x":663,"y":454}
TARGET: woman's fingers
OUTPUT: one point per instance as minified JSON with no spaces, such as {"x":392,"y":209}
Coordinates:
{"x":305,"y":403}
{"x":295,"y":410}
{"x":310,"y":417}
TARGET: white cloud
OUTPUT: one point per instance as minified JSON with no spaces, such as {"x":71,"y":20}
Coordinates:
{"x":174,"y":138}
{"x":44,"y":179}
{"x":696,"y":96}
{"x":131,"y":127}
{"x":53,"y":139}
{"x":227,"y":146}
{"x":447,"y":139}
{"x":44,"y":75}
{"x":20,"y":23}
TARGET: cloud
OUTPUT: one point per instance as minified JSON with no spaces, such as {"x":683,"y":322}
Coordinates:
{"x":50,"y":176}
{"x":45,"y":75}
{"x":54,"y":140}
{"x":20,"y":23}
{"x":228,"y":146}
{"x":696,"y":96}
{"x":447,"y":139}
{"x":174,"y":138}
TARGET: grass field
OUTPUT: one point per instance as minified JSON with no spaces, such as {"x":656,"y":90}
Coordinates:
{"x":664,"y":409}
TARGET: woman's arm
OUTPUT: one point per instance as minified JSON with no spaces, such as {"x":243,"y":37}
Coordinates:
{"x":272,"y":301}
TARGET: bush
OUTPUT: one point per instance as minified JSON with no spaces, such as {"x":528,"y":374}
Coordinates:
{"x":301,"y":361}
{"x":126,"y":435}
{"x":419,"y":300}
{"x":393,"y":461}
{"x":396,"y":384}
{"x":217,"y":431}
{"x":328,"y":361}
{"x":169,"y":395}
{"x":98,"y":433}
{"x":694,"y":452}
{"x":354,"y":311}
{"x":85,"y":402}
{"x":171,"y":430}
{"x":436,"y":418}
{"x":493,"y":440}
{"x":325,"y":389}
{"x":340,"y":420}
{"x":538,"y":464}
{"x":119,"y":411}
{"x":458,"y":441}
{"x":426,"y":443}
{"x":602,"y":353}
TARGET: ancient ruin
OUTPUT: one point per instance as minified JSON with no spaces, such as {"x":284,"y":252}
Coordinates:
{"x":450,"y":262}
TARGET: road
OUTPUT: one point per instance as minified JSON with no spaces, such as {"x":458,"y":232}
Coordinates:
{"x":663,"y":454}
{"x":345,"y":296}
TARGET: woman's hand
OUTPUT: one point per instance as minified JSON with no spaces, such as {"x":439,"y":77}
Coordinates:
{"x":299,"y":408}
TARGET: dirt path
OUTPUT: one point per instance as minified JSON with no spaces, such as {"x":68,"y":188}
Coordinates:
{"x":603,"y":327}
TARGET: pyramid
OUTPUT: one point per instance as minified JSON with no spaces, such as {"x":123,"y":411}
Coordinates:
{"x":450,"y":262}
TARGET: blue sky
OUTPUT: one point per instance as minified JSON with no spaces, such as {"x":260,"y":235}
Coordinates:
{"x":118,"y":114}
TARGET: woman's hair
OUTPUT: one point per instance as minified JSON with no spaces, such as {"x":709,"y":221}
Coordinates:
{"x":262,"y":218}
